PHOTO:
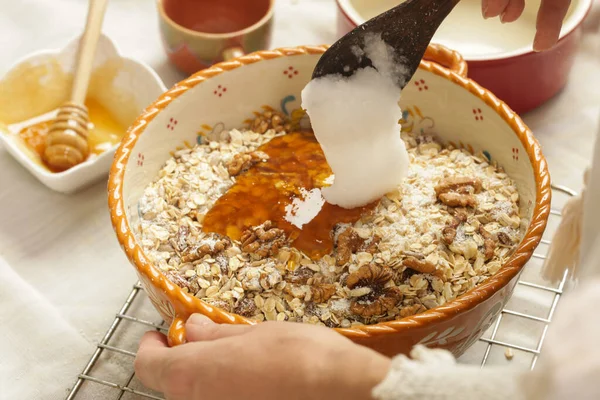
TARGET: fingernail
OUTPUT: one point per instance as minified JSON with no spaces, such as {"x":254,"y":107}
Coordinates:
{"x":199,"y":319}
{"x":502,"y":17}
{"x":543,"y":42}
{"x":484,"y":8}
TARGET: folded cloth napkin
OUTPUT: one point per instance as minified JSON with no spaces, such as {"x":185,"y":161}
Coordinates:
{"x":28,"y":317}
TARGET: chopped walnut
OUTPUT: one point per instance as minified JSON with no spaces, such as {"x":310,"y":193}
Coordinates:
{"x":241,"y":162}
{"x":222,"y":304}
{"x":370,"y":245}
{"x":245,"y":307}
{"x":411,"y":310}
{"x":270,"y":120}
{"x":449,"y":231}
{"x":349,"y":242}
{"x":346,"y":244}
{"x":213,"y":246}
{"x":182,"y":235}
{"x":322,"y":293}
{"x":385,"y":301}
{"x":457,"y":191}
{"x":458,"y":184}
{"x":191,"y":285}
{"x":263,"y":240}
{"x":454,"y":199}
{"x":300,"y":276}
{"x":422,"y":266}
{"x":405,"y":275}
{"x":369,"y":275}
{"x":489,"y":245}
{"x":504,"y":239}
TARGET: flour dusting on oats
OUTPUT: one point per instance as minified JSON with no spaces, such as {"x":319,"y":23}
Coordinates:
{"x":452,"y":223}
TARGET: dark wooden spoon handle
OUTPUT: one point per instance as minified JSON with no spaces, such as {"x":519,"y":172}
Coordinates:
{"x":407,"y":28}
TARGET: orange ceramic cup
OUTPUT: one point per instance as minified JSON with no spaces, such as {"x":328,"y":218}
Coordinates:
{"x":199,"y":33}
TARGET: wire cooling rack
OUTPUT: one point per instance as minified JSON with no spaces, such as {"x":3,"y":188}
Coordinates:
{"x":515,"y":338}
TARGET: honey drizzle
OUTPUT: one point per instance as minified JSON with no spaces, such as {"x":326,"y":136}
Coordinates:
{"x":295,"y":162}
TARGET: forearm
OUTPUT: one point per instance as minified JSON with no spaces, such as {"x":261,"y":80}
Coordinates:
{"x":434,"y":375}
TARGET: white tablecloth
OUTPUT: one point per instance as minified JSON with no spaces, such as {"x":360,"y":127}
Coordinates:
{"x":62,"y":274}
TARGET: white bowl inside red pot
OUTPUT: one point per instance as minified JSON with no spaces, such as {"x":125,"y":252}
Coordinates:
{"x":500,"y":56}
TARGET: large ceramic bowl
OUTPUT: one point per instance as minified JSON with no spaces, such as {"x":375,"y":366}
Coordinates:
{"x":500,"y":56}
{"x":438,"y":99}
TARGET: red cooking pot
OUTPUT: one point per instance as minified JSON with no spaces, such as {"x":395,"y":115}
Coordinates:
{"x":500,"y":57}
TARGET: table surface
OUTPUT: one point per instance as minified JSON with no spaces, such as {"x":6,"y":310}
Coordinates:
{"x":62,"y":273}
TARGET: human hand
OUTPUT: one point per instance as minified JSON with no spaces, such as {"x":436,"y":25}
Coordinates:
{"x":268,"y":361}
{"x":549,"y":19}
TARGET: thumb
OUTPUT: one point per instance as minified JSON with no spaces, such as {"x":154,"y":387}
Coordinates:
{"x":200,"y":328}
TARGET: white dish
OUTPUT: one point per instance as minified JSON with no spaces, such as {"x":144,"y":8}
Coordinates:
{"x":131,"y":80}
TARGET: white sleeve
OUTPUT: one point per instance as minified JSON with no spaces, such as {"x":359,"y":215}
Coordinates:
{"x":591,"y":221}
{"x":569,"y":367}
{"x":434,"y":375}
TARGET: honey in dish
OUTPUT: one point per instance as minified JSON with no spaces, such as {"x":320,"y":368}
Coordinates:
{"x":104,"y":131}
{"x":295,"y":161}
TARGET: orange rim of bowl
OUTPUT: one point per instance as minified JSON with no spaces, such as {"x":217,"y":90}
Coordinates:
{"x":186,"y":304}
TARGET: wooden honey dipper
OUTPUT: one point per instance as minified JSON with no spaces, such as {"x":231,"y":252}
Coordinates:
{"x":67,"y":140}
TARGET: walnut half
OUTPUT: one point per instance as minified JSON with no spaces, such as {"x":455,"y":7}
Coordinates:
{"x":263,"y":240}
{"x":387,"y":299}
{"x":322,"y":293}
{"x":369,"y":275}
{"x":349,"y":242}
{"x":423,"y":267}
{"x":379,"y":299}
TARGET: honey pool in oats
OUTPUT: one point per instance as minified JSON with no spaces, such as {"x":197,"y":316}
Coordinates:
{"x":216,"y":222}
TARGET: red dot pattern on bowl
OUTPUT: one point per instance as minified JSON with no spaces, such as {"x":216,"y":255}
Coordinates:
{"x":515,"y":154}
{"x":172,"y":123}
{"x":422,"y":85}
{"x":290,"y":72}
{"x":220,"y":91}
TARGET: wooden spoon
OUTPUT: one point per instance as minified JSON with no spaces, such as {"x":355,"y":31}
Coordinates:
{"x":407,"y":28}
{"x":66,"y":143}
